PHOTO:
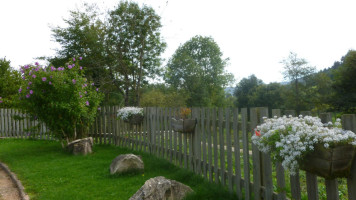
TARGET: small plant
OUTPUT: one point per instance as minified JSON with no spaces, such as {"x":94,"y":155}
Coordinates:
{"x":132,"y":115}
{"x":290,"y":139}
{"x":184,"y":113}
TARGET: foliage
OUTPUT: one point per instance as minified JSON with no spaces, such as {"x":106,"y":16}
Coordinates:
{"x":344,"y":98}
{"x":126,"y":112}
{"x":84,"y":35}
{"x":133,"y":47}
{"x":295,"y":70}
{"x":9,"y":84}
{"x":289,"y":139}
{"x":163,"y":97}
{"x":121,"y":52}
{"x":60,"y":97}
{"x":318,"y":90}
{"x":198,"y":69}
{"x":245,"y":90}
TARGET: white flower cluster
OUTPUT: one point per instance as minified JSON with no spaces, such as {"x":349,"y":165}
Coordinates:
{"x":290,"y":138}
{"x":125,"y":112}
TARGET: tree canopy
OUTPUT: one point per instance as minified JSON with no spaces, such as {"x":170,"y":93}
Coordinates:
{"x":121,"y":52}
{"x":295,"y":69}
{"x":344,"y":85}
{"x":10,"y":81}
{"x":197,"y":67}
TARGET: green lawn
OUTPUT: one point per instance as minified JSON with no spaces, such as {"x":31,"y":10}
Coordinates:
{"x":48,"y":172}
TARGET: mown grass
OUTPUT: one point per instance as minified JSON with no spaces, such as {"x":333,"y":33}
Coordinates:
{"x":49,"y":172}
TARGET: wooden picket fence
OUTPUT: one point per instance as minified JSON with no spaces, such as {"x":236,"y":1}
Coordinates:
{"x":220,"y":149}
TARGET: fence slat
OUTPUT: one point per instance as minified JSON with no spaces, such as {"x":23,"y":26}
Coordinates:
{"x":312,"y":186}
{"x":215,"y":141}
{"x":210,"y":152}
{"x":222,"y":147}
{"x":349,"y":123}
{"x":246,"y":153}
{"x":236,"y":145}
{"x":203,"y":141}
{"x":256,"y":158}
{"x":229,"y":150}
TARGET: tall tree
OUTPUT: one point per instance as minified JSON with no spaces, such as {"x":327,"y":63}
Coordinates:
{"x":10,"y":81}
{"x":84,"y":36}
{"x":134,"y":46}
{"x":344,"y":98}
{"x":197,"y":67}
{"x":245,"y":90}
{"x":295,"y":69}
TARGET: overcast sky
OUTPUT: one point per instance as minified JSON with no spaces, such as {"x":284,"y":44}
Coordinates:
{"x":255,"y":34}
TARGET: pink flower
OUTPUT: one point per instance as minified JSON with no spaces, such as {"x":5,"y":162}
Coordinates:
{"x":74,"y":81}
{"x":31,"y":91}
{"x":29,"y":83}
{"x":97,"y":89}
{"x":20,"y":90}
{"x":27,"y":95}
{"x":36,"y":63}
{"x":34,"y":76}
{"x":53,"y":68}
{"x":80,"y":58}
{"x":80,"y":67}
{"x":50,"y":83}
{"x":44,"y":78}
{"x":70,"y":66}
{"x":87,"y":103}
{"x":73,"y":59}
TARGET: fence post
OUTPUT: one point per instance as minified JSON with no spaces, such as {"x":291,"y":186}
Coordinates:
{"x":281,"y":182}
{"x":246,"y":154}
{"x":331,"y":185}
{"x":349,"y":123}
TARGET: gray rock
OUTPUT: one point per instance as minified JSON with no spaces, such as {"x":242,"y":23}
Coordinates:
{"x":160,"y":188}
{"x":81,"y":146}
{"x":125,"y":163}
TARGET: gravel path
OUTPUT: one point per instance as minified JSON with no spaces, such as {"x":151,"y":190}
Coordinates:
{"x":10,"y":187}
{"x":8,"y":190}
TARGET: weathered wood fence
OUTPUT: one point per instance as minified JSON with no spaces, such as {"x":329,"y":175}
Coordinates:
{"x":220,"y":149}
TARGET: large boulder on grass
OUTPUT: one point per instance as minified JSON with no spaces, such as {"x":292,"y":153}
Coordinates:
{"x":160,"y":188}
{"x":81,"y":146}
{"x":125,"y":163}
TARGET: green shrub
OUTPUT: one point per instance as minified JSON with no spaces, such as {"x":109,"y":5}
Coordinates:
{"x":60,"y":97}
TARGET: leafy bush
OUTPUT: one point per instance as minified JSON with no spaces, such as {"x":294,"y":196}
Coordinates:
{"x":60,"y":97}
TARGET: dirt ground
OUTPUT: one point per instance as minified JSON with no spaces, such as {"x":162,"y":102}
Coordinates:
{"x":8,"y":190}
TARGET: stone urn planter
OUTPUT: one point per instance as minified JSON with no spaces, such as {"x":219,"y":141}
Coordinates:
{"x":134,"y":119}
{"x":184,"y":125}
{"x":330,"y":163}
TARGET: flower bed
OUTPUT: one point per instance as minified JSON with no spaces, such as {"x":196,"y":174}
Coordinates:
{"x":291,"y":139}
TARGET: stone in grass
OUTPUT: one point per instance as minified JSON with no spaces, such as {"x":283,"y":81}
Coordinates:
{"x":126,"y":163}
{"x":160,"y":188}
{"x":81,"y":146}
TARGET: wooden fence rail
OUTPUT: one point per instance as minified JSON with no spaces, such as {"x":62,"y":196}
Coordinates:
{"x":220,"y":149}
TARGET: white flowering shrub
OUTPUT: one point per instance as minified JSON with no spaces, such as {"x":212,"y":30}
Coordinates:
{"x":288,"y":139}
{"x":126,"y":112}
